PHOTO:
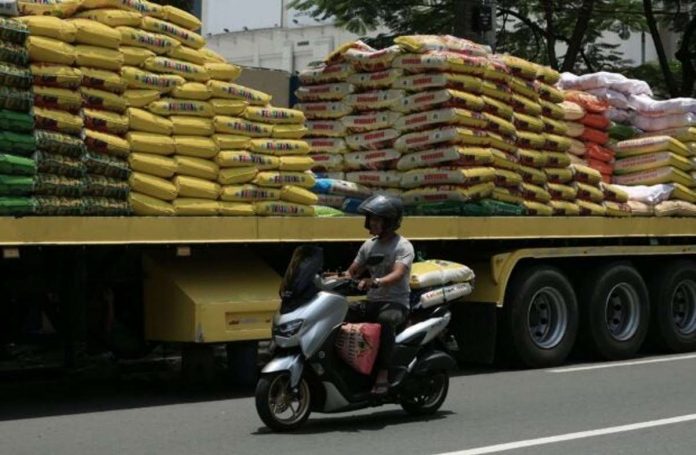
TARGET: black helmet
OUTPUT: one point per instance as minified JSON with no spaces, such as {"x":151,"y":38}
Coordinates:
{"x":387,"y":207}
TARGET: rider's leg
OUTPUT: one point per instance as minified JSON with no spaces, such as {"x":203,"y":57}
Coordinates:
{"x":391,"y":316}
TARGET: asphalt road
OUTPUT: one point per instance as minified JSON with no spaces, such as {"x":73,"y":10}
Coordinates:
{"x":647,"y":407}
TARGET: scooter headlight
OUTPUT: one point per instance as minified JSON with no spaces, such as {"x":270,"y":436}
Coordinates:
{"x":289,"y":328}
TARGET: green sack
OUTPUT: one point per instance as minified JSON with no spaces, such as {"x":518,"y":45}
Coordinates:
{"x":621,"y":132}
{"x":16,"y":185}
{"x":17,"y":143}
{"x":106,"y":165}
{"x":323,"y":211}
{"x":61,"y":144}
{"x":16,"y":165}
{"x":57,"y":185}
{"x":100,"y":206}
{"x":498,"y":208}
{"x":17,"y":206}
{"x":18,"y":122}
{"x":445,"y":208}
{"x":13,"y":53}
{"x":13,"y":78}
{"x":13,"y":31}
{"x":59,"y":206}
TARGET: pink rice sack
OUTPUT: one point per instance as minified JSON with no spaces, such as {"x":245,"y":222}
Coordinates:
{"x":358,"y":345}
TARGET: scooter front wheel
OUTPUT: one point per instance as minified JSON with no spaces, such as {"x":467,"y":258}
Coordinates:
{"x":280,"y":406}
{"x":425,"y":394}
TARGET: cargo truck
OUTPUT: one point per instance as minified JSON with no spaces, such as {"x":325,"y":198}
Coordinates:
{"x":544,"y":286}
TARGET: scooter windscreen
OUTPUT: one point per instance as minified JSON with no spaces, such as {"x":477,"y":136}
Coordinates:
{"x":298,"y":284}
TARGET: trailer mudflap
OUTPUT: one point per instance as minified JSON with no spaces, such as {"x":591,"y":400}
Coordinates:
{"x":209,"y":297}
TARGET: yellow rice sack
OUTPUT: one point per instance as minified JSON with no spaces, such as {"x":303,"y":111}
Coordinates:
{"x":298,"y":195}
{"x":274,"y":115}
{"x":372,"y":178}
{"x":153,"y":186}
{"x":330,"y":162}
{"x":103,"y":80}
{"x":562,"y":192}
{"x":185,"y":125}
{"x":140,"y":97}
{"x":248,"y":193}
{"x":187,"y":37}
{"x":552,"y":110}
{"x":326,"y":128}
{"x":143,"y":142}
{"x":189,"y":71}
{"x":62,"y":122}
{"x":196,"y":167}
{"x":326,"y":74}
{"x":245,"y":159}
{"x":196,"y":146}
{"x":585,"y":174}
{"x":50,"y":27}
{"x":505,"y":178}
{"x":550,"y":93}
{"x":684,"y":134}
{"x":289,"y":131}
{"x":324,"y":92}
{"x":101,"y":99}
{"x":296,"y":163}
{"x":327,"y":145}
{"x":211,"y":56}
{"x":159,"y":44}
{"x":107,"y":122}
{"x":564,"y":208}
{"x":439,"y":99}
{"x":280,"y":179}
{"x":237,"y":175}
{"x":548,"y":75}
{"x":589,"y":208}
{"x":652,"y":144}
{"x":503,"y":160}
{"x":369,"y":121}
{"x":447,"y":176}
{"x":557,"y":159}
{"x":655,"y":177}
{"x":229,"y":90}
{"x":617,"y":209}
{"x":61,"y":9}
{"x":49,"y":50}
{"x":534,"y":208}
{"x":502,"y":143}
{"x":531,"y":192}
{"x":498,"y":108}
{"x":683,"y":193}
{"x":95,"y":33}
{"x":652,"y":161}
{"x":529,"y":140}
{"x":520,"y":67}
{"x":372,"y":140}
{"x":98,"y":57}
{"x":524,"y":88}
{"x":279,"y":147}
{"x":613,"y":193}
{"x":447,"y":193}
{"x":496,"y":91}
{"x":500,"y":125}
{"x":135,"y":56}
{"x":462,"y":156}
{"x":328,"y":110}
{"x":556,"y":127}
{"x":450,"y":116}
{"x":528,"y":123}
{"x":557,"y":143}
{"x":223,"y":71}
{"x":280,"y":208}
{"x":137,"y":78}
{"x":222,"y":106}
{"x":180,"y":17}
{"x":56,"y":76}
{"x":533,"y":175}
{"x":61,"y":99}
{"x":140,"y":6}
{"x":192,"y":91}
{"x":239,"y":126}
{"x":171,"y":106}
{"x":420,"y":82}
{"x":186,"y":206}
{"x":376,"y":80}
{"x":112,"y":17}
{"x":588,"y":192}
{"x":373,"y":100}
{"x":231,"y":141}
{"x":157,"y":165}
{"x":141,"y":120}
{"x":144,"y":205}
{"x":195,"y":187}
{"x":526,"y":106}
{"x":441,"y":62}
{"x":506,"y":195}
{"x":188,"y":55}
{"x":106,"y":143}
{"x":236,"y":209}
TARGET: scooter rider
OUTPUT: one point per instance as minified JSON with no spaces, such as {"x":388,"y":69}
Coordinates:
{"x":388,"y":284}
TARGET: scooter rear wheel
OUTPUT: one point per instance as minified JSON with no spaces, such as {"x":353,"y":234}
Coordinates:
{"x":426,"y":393}
{"x":279,"y":406}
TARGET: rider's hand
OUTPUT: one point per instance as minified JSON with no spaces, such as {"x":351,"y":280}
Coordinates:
{"x":365,"y":284}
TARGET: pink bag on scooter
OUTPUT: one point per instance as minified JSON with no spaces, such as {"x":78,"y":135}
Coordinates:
{"x":358,"y":345}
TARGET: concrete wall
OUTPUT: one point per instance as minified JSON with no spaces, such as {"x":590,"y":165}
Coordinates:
{"x":274,"y":82}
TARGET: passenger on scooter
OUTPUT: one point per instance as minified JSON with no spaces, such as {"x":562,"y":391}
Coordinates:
{"x":388,"y":284}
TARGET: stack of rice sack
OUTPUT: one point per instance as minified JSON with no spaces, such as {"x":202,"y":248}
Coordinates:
{"x":17,"y":143}
{"x":435,"y":282}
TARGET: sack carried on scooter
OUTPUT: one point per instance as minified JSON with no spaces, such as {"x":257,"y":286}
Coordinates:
{"x":358,"y":345}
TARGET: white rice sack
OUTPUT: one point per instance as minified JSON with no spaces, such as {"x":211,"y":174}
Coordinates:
{"x":444,"y":295}
{"x":646,"y":123}
{"x":649,"y":107}
{"x":651,"y":195}
{"x":437,"y":272}
{"x":614,"y":98}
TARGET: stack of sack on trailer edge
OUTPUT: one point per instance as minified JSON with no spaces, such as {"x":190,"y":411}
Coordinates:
{"x":163,"y":128}
{"x":434,"y":282}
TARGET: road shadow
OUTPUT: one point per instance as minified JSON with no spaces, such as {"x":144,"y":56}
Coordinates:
{"x":323,"y":423}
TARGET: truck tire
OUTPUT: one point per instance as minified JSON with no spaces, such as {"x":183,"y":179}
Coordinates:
{"x":673,"y":299}
{"x":615,"y":311}
{"x":541,"y":317}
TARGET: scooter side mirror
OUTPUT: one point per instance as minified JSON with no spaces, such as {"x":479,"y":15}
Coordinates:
{"x":375,"y":259}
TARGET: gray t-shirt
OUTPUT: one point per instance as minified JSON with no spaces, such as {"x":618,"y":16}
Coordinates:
{"x":396,"y":249}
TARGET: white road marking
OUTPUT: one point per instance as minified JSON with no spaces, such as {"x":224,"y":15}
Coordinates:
{"x":623,"y":364}
{"x":571,"y":436}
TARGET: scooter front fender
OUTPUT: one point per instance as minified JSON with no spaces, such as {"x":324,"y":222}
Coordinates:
{"x":434,"y":361}
{"x":292,"y":363}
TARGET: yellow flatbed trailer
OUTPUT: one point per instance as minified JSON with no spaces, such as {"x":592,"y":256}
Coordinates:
{"x":542,"y":282}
